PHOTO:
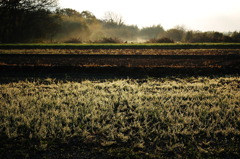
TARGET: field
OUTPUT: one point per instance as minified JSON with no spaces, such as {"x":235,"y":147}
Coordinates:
{"x":121,"y":59}
{"x":173,"y":117}
{"x":124,"y":46}
{"x":120,"y":101}
{"x":123,"y":49}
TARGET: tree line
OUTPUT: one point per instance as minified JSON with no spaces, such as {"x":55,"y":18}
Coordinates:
{"x":42,"y":21}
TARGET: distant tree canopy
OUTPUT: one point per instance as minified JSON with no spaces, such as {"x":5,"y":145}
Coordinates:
{"x":68,"y":12}
{"x":154,"y":31}
{"x":113,"y":26}
{"x":42,"y":21}
{"x":176,"y":34}
{"x":75,"y":25}
{"x":194,"y":37}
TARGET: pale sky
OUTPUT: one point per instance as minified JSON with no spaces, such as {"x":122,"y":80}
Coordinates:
{"x":203,"y":15}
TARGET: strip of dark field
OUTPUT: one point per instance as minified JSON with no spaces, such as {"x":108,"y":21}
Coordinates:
{"x":180,"y":61}
{"x":122,"y":46}
{"x":15,"y":73}
{"x":70,"y":67}
{"x":230,"y":56}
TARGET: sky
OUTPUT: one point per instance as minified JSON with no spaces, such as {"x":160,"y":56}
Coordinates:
{"x":202,"y":15}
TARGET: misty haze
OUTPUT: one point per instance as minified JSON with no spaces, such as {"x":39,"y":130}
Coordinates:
{"x":25,"y":23}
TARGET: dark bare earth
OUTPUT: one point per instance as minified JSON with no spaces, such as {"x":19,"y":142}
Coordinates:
{"x":117,"y":65}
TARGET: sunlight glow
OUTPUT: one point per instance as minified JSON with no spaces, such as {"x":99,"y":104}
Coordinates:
{"x":204,"y":15}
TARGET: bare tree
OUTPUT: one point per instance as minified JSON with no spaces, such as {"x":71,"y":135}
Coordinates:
{"x":111,"y":17}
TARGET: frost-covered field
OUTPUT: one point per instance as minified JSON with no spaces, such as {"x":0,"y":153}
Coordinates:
{"x":181,"y":117}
